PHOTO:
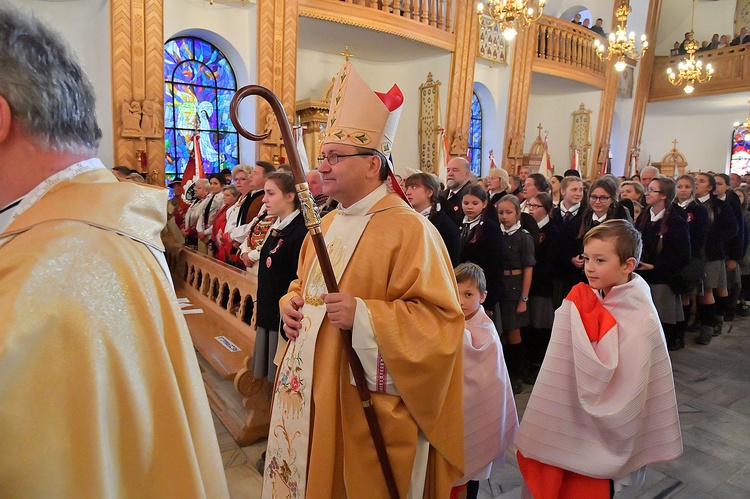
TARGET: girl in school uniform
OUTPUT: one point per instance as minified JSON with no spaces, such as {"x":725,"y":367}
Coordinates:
{"x":518,"y":247}
{"x":277,"y":267}
{"x":696,"y":216}
{"x":541,"y":309}
{"x":482,"y":244}
{"x":666,"y":250}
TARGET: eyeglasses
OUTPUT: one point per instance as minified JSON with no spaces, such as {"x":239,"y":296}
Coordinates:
{"x":333,"y":158}
{"x":535,"y":206}
{"x":599,"y":199}
{"x":649,"y":191}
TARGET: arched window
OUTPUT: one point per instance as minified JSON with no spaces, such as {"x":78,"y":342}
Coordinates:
{"x":475,"y":136}
{"x":740,"y":160}
{"x":198,"y":83}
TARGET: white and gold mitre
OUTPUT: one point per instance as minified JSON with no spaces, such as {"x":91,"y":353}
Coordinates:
{"x":360,"y":117}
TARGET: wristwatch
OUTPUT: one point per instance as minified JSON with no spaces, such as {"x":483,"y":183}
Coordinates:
{"x":524,"y":298}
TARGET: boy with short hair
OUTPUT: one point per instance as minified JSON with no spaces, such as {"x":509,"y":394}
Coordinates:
{"x":604,"y":404}
{"x":490,"y":419}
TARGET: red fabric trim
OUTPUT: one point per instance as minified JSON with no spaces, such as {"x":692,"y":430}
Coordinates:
{"x":596,"y":319}
{"x":393,"y":99}
{"x":550,"y":482}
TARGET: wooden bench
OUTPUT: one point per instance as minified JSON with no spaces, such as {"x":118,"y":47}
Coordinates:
{"x":224,"y":338}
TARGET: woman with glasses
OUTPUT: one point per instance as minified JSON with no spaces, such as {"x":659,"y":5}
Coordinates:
{"x":666,"y":250}
{"x":603,"y":205}
{"x":541,"y":308}
{"x":696,"y":216}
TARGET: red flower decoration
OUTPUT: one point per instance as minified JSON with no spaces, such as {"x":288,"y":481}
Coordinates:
{"x":294,"y":384}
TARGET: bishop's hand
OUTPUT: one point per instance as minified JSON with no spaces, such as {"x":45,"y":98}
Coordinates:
{"x":292,"y":317}
{"x":340,"y":308}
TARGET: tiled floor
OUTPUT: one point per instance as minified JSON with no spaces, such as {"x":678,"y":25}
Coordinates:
{"x":713,"y":392}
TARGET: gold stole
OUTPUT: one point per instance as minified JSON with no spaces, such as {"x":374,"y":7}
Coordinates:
{"x":285,"y":474}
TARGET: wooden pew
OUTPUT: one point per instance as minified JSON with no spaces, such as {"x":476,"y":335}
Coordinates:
{"x":224,"y":338}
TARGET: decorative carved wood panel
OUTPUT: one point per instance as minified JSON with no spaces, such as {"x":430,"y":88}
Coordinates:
{"x":137,"y":35}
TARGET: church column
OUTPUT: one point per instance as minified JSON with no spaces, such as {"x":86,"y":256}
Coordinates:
{"x":462,"y":78}
{"x":137,"y":36}
{"x":277,"y":68}
{"x":518,"y":98}
{"x":604,"y":124}
{"x":643,"y":84}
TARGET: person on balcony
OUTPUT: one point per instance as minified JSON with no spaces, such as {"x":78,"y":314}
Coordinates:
{"x":742,"y":38}
{"x":597,"y":28}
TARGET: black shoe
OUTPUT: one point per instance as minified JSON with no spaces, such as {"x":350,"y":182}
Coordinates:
{"x":707,"y":332}
{"x":517,"y":385}
{"x":743,"y":311}
{"x":675,"y":344}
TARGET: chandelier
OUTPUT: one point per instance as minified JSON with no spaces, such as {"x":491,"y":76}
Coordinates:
{"x":744,"y":127}
{"x":509,"y":15}
{"x":690,"y":70}
{"x":621,"y":45}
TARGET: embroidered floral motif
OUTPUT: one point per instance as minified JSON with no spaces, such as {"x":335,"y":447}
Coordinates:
{"x":290,"y":389}
{"x":283,"y":472}
{"x":316,"y":285}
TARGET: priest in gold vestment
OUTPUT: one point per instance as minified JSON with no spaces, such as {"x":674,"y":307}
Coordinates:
{"x":399,"y":298}
{"x":100,"y":391}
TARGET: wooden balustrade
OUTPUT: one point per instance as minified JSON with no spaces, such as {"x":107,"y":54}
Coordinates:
{"x":567,"y":50}
{"x":426,"y":21}
{"x":731,"y":74}
{"x":224,"y":337}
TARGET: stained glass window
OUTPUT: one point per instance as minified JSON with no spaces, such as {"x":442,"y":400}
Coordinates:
{"x":740,"y":162}
{"x":475,"y":136}
{"x":198,"y":83}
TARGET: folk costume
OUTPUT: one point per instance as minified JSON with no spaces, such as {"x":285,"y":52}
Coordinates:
{"x":604,"y":404}
{"x":87,"y":305}
{"x":408,"y":332}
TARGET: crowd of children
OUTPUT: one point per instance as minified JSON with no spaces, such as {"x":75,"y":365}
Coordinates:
{"x":579,"y":289}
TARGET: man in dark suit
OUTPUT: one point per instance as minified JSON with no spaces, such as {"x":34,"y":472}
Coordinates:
{"x":597,"y":28}
{"x":457,"y":173}
{"x":714,"y":43}
{"x":742,"y":38}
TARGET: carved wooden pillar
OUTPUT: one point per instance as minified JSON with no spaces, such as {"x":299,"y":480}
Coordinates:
{"x":462,"y":78}
{"x":644,"y":82}
{"x":277,"y":65}
{"x":604,"y":124}
{"x":137,"y":35}
{"x":518,"y":98}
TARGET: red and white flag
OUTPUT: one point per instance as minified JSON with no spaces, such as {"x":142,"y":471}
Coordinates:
{"x":574,"y":166}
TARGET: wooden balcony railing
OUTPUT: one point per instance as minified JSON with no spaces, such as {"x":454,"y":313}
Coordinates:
{"x":225,"y":338}
{"x":426,"y":21}
{"x":731,"y":74}
{"x":567,"y":50}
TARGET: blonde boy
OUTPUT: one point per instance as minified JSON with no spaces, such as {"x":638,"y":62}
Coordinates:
{"x":604,"y":404}
{"x":490,"y":419}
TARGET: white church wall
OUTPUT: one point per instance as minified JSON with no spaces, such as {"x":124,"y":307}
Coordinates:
{"x":85,"y":25}
{"x":710,"y":18}
{"x":232,"y":28}
{"x":315,"y":70}
{"x":491,"y":84}
{"x":702,"y":126}
{"x":552,"y":102}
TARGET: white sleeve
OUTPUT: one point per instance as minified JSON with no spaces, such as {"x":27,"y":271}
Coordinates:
{"x":240,"y":233}
{"x":364,"y":343}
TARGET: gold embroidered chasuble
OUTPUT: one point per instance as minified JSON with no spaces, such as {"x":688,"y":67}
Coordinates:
{"x":101,"y":392}
{"x":402,"y":272}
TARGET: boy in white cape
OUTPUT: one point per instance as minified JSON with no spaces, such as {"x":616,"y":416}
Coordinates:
{"x":490,"y":419}
{"x":604,"y":404}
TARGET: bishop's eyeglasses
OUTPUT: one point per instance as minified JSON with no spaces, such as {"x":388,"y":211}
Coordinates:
{"x":333,"y":158}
